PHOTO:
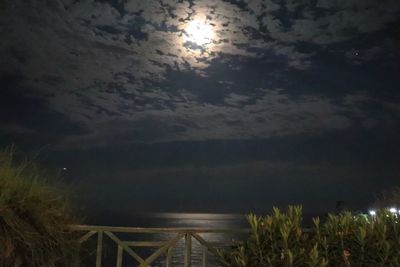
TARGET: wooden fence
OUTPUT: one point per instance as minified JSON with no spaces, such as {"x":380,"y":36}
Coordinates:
{"x":163,"y":248}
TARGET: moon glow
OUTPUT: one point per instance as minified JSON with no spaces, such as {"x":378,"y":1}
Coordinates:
{"x":199,"y":33}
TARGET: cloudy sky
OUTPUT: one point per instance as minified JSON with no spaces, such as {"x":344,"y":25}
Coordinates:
{"x":206,"y":105}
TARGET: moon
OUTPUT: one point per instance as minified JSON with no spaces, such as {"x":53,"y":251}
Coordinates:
{"x":199,"y":32}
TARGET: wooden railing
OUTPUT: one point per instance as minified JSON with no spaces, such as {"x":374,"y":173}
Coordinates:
{"x":163,"y":248}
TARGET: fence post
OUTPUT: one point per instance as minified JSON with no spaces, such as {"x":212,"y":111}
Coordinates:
{"x":119,"y":256}
{"x":205,"y":254}
{"x":170,"y":253}
{"x":188,"y":250}
{"x":99,"y":250}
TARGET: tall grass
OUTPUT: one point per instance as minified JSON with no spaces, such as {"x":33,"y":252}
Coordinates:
{"x":342,"y":240}
{"x":33,"y":218}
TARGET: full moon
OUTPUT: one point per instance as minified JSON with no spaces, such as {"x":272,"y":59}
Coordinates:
{"x":199,"y":33}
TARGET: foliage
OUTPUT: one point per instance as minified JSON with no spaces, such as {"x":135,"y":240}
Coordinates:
{"x":343,"y":240}
{"x":33,"y":218}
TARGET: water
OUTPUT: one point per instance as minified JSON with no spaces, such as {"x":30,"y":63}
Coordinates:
{"x":173,"y":220}
{"x":194,"y":220}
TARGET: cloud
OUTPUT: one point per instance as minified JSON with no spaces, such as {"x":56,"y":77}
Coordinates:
{"x":123,"y":68}
{"x":326,"y":22}
{"x":271,"y":113}
{"x":25,"y":118}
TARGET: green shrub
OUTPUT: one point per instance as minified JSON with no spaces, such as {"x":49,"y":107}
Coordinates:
{"x":33,"y":219}
{"x":278,"y":240}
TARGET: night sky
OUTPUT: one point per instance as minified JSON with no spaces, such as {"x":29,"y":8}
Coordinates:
{"x":205,"y":105}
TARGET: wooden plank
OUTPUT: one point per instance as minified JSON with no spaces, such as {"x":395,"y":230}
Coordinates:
{"x":120,"y":254}
{"x":188,"y":250}
{"x":210,"y":248}
{"x":205,"y":256}
{"x":145,"y":243}
{"x":154,"y":230}
{"x":99,"y":250}
{"x":170,"y":255}
{"x":161,"y":251}
{"x":125,"y":247}
{"x":86,"y":236}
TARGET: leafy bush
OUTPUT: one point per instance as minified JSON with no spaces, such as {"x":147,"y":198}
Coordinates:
{"x":33,"y":219}
{"x":278,"y":240}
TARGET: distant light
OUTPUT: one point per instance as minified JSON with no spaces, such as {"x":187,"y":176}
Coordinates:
{"x":372,"y":212}
{"x":64,"y":169}
{"x":393,"y":210}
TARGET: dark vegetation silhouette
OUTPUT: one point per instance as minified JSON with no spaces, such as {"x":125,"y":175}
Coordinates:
{"x":33,"y":218}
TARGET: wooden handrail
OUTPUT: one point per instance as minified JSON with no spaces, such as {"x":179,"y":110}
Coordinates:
{"x":118,"y":229}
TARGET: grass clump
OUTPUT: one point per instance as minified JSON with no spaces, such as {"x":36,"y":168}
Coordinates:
{"x":342,"y":240}
{"x":33,"y":218}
